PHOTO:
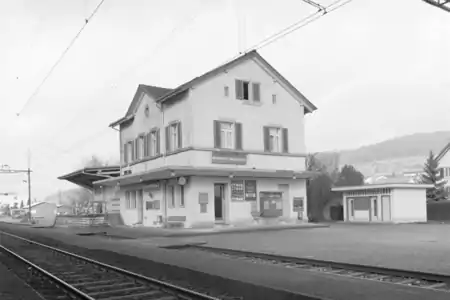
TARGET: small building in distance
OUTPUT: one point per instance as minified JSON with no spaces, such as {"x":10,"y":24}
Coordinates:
{"x":63,"y":209}
{"x":43,"y":214}
{"x":390,"y":202}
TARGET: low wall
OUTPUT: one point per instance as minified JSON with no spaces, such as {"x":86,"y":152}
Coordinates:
{"x":438,"y":211}
{"x":82,"y":221}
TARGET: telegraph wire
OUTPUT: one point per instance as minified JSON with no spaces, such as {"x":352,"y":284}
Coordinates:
{"x":36,"y":91}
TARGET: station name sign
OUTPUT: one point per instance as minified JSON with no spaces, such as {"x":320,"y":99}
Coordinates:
{"x":228,"y":157}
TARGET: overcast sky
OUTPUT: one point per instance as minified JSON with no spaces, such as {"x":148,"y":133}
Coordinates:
{"x":375,"y":69}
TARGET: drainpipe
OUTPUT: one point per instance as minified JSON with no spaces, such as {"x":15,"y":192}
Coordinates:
{"x":164,"y":185}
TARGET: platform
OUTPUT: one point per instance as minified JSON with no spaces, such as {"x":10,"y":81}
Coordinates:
{"x":297,"y":281}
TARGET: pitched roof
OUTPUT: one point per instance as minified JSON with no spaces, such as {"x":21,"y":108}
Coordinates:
{"x":443,"y":152}
{"x":154,"y":91}
{"x":163,"y":94}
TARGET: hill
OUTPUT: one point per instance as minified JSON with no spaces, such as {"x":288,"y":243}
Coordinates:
{"x":395,"y":155}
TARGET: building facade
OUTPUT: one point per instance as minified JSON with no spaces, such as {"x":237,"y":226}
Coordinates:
{"x":227,"y":148}
{"x":392,"y":203}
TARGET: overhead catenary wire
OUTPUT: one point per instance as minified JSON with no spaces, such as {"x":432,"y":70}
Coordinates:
{"x":263,"y":43}
{"x":60,"y":58}
{"x":181,"y":25}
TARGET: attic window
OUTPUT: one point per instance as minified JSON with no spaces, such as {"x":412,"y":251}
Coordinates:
{"x":147,"y":110}
{"x":226,"y":91}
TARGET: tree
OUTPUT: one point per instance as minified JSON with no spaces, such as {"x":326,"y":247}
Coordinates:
{"x":318,"y":194}
{"x":95,"y":162}
{"x":15,"y":205}
{"x":349,"y":176}
{"x":21,"y":204}
{"x":432,"y":175}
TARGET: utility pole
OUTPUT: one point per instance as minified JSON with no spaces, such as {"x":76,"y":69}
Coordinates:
{"x":29,"y":183}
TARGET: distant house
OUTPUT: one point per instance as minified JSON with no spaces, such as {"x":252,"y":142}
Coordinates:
{"x":42,"y":213}
{"x":443,"y":159}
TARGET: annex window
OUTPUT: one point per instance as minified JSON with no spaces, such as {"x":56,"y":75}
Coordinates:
{"x":227,"y":135}
{"x":173,"y":137}
{"x":275,"y":139}
{"x":246,"y":90}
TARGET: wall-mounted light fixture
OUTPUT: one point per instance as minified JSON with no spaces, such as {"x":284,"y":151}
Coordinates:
{"x":294,"y":177}
{"x":231,"y":176}
{"x":172,"y":174}
{"x":140,"y":179}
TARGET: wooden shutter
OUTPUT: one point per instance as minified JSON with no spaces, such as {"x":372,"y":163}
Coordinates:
{"x":217,"y":134}
{"x":136,"y":147}
{"x":285,"y":140}
{"x":132,"y":150}
{"x":256,"y":92}
{"x":266,"y":139}
{"x":158,"y":139}
{"x":146,"y":148}
{"x":125,"y":153}
{"x":239,"y":89}
{"x":238,"y":136}
{"x":167,"y":137}
{"x":180,"y":136}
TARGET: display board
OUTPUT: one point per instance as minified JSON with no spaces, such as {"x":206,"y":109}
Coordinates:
{"x":237,"y":190}
{"x":250,"y":190}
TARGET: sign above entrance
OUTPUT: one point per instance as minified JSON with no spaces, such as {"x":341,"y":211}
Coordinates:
{"x":152,"y":186}
{"x":228,"y":157}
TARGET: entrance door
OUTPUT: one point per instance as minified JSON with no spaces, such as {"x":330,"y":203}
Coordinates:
{"x":386,"y":208}
{"x":140,"y":206}
{"x":219,"y":196}
{"x":350,"y":209}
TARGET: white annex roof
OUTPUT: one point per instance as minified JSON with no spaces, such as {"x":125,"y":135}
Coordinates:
{"x":382,"y":186}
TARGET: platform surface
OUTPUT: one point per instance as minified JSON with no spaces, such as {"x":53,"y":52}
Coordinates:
{"x":321,"y":285}
{"x":420,"y":247}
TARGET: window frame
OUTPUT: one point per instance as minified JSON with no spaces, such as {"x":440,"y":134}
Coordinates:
{"x":224,"y":132}
{"x":127,"y":200}
{"x":133,"y":199}
{"x":279,"y":139}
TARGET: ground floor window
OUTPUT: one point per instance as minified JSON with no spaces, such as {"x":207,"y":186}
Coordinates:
{"x":130,"y":199}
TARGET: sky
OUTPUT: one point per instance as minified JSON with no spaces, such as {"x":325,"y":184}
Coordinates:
{"x":375,"y":70}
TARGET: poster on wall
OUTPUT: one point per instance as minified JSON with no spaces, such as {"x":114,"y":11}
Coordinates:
{"x":237,"y":190}
{"x":250,"y":190}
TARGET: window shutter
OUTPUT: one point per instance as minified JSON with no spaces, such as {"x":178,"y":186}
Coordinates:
{"x":285,"y":140}
{"x":125,"y":153}
{"x":239,"y":89}
{"x":216,"y":134}
{"x":256,"y":92}
{"x":238,"y":136}
{"x":180,"y":136}
{"x":132,"y":151}
{"x":158,"y":139}
{"x":266,"y":139}
{"x":136,"y":147}
{"x":145,"y":141}
{"x":167,"y":137}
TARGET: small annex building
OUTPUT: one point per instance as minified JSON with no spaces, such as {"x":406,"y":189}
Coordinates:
{"x":43,"y":214}
{"x":391,"y":202}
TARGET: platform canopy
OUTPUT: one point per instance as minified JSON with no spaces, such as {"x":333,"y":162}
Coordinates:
{"x":178,"y":171}
{"x":87,"y":176}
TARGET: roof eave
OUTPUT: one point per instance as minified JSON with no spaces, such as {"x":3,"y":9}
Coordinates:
{"x":121,"y":120}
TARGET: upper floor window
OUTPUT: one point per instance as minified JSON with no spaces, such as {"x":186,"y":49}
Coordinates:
{"x":128,"y":152}
{"x":275,"y":139}
{"x":227,"y":135}
{"x":140,"y":144}
{"x":226,"y":91}
{"x":153,"y":142}
{"x":246,"y":90}
{"x":173,"y":137}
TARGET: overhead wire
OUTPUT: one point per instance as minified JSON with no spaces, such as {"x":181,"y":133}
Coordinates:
{"x":181,"y":25}
{"x":58,"y":61}
{"x":263,"y":43}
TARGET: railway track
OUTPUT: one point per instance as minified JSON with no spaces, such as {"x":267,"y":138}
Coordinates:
{"x":83,"y":278}
{"x":424,"y":280}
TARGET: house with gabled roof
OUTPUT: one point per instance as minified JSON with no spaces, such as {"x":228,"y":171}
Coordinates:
{"x":226,"y":148}
{"x":443,"y":159}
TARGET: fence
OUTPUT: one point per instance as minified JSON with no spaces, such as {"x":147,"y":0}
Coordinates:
{"x":438,"y":211}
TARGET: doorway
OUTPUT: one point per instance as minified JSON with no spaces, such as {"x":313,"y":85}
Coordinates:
{"x":140,"y":206}
{"x":219,"y":197}
{"x":350,"y":209}
{"x":374,"y":209}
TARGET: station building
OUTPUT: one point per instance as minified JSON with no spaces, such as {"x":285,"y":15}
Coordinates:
{"x":394,"y":203}
{"x":226,"y":148}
